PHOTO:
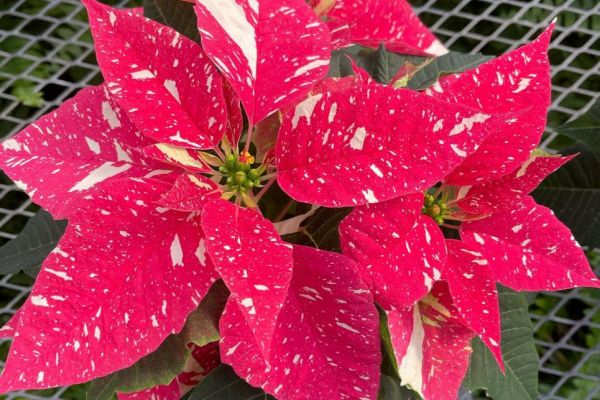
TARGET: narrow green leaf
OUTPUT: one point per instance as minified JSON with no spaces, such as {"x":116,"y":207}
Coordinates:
{"x":573,"y":193}
{"x":447,"y":64}
{"x":31,"y":247}
{"x":163,"y":365}
{"x":391,"y":388}
{"x":585,"y":129}
{"x":177,"y":14}
{"x":223,"y":384}
{"x":518,"y":351}
{"x":320,"y":230}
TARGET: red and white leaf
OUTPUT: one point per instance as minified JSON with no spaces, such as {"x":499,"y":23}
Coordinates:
{"x":503,"y":193}
{"x":473,"y":289}
{"x":190,"y":193}
{"x":176,"y":156}
{"x":392,"y":23}
{"x":528,"y":248}
{"x":343,"y":148}
{"x":235,"y":120}
{"x":326,"y":343}
{"x":255,"y":264}
{"x":125,"y":275}
{"x":399,"y":253}
{"x":431,"y":345}
{"x":140,"y":59}
{"x":68,"y":153}
{"x":271,"y":52}
{"x":517,"y":82}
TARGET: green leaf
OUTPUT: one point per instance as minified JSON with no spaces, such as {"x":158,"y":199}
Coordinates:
{"x":31,"y":247}
{"x":383,"y":65}
{"x":450,"y":63}
{"x":27,"y":95}
{"x":223,"y":384}
{"x":177,"y":14}
{"x":163,"y":365}
{"x":380,"y":63}
{"x":320,"y":230}
{"x":391,"y":388}
{"x":573,"y":193}
{"x":518,"y":351}
{"x":585,"y":129}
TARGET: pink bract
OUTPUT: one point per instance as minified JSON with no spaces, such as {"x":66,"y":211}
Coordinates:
{"x":328,"y":326}
{"x":431,"y":345}
{"x":246,"y":39}
{"x":392,"y":23}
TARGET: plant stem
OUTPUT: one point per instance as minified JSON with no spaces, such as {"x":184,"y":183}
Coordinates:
{"x":264,"y":190}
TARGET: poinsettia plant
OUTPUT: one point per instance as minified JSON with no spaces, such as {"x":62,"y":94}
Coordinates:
{"x":280,"y":190}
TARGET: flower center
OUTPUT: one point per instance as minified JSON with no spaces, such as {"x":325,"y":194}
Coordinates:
{"x":240,"y":176}
{"x":436,"y":208}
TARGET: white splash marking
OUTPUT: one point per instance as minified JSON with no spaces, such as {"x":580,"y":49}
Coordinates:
{"x":154,"y":321}
{"x":232,"y":349}
{"x":179,"y":154}
{"x":232,"y":18}
{"x":76,"y":345}
{"x":517,"y":228}
{"x":112,"y":18}
{"x":39,"y":301}
{"x":369,"y":196}
{"x":411,"y":365}
{"x":438,"y":125}
{"x":262,"y":288}
{"x":358,"y":140}
{"x":332,"y":112}
{"x":11,"y":144}
{"x":200,"y":252}
{"x":143,"y":74}
{"x":171,"y":86}
{"x":97,"y":333}
{"x":110,"y":115}
{"x":347,"y":327}
{"x":121,"y":154}
{"x":427,"y":236}
{"x":436,"y":48}
{"x":40,"y":377}
{"x":176,"y":252}
{"x":305,"y":109}
{"x":467,"y":123}
{"x":60,"y":274}
{"x":100,"y":174}
{"x":523,"y":84}
{"x":376,"y":170}
{"x":459,"y":152}
{"x":310,"y":66}
{"x":478,"y":238}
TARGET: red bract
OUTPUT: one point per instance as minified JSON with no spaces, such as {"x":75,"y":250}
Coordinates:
{"x":127,"y":272}
{"x":104,"y":298}
{"x":392,"y":23}
{"x":529,"y":249}
{"x":431,"y":345}
{"x":400,"y":251}
{"x":141,"y":59}
{"x":344,"y":148}
{"x":255,"y":264}
{"x":517,"y":82}
{"x":328,"y":327}
{"x":271,"y":52}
